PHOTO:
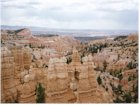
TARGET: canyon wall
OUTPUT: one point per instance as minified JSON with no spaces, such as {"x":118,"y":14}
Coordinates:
{"x":63,"y":83}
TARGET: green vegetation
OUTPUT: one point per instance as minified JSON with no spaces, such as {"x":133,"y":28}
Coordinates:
{"x":129,"y":78}
{"x":135,"y":90}
{"x":76,"y":73}
{"x":18,"y":30}
{"x":40,"y":93}
{"x":117,"y":73}
{"x":127,"y":97}
{"x":117,"y":90}
{"x":69,"y":60}
{"x":99,"y":80}
{"x":94,"y":48}
{"x":120,"y":37}
{"x":30,"y":45}
{"x":120,"y":76}
{"x":131,"y":65}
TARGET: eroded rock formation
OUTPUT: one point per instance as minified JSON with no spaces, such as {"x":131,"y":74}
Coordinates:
{"x":8,"y":89}
{"x":24,"y":32}
{"x":63,"y":83}
{"x":26,"y":91}
{"x":57,"y":84}
{"x":86,"y":88}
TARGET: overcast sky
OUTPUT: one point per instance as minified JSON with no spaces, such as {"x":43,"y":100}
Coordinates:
{"x":71,"y":14}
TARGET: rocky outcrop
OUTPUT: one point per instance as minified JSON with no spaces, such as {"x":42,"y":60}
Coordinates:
{"x":57,"y":84}
{"x":26,"y":91}
{"x":26,"y":58}
{"x":133,"y":37}
{"x":22,"y":59}
{"x":84,"y":78}
{"x":24,"y":32}
{"x":29,"y":62}
{"x":75,"y":82}
{"x":8,"y":89}
{"x":18,"y":59}
{"x":63,"y":83}
{"x":24,"y":81}
{"x":75,"y":57}
{"x":39,"y":73}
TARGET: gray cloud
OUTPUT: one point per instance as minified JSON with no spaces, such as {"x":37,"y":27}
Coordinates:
{"x":6,"y":0}
{"x":16,"y":6}
{"x":81,"y":13}
{"x":111,"y":1}
{"x":33,"y":3}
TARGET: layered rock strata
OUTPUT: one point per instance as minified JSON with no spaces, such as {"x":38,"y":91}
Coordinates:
{"x":26,"y":91}
{"x":63,"y":83}
{"x":57,"y":85}
{"x":84,"y":81}
{"x":9,"y":93}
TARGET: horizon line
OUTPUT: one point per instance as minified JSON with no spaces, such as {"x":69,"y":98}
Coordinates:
{"x":27,"y":26}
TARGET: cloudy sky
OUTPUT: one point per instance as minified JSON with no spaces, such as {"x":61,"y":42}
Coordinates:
{"x":71,"y":14}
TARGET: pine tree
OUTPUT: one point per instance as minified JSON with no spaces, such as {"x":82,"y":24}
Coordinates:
{"x":40,"y":93}
{"x":99,"y":80}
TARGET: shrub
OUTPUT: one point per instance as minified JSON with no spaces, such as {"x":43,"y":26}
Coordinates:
{"x":128,"y":97}
{"x":69,"y":60}
{"x":99,"y":80}
{"x":130,"y":65}
{"x":120,"y":76}
{"x":129,"y":79}
{"x":119,"y":88}
{"x":40,"y":93}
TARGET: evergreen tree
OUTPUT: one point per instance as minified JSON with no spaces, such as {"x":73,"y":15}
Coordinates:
{"x":128,"y":97}
{"x":120,"y":76}
{"x":40,"y":93}
{"x":99,"y":80}
{"x":129,"y":79}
